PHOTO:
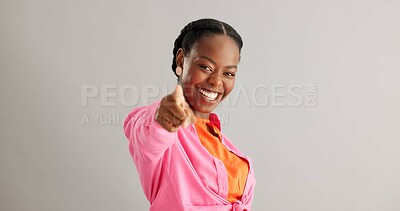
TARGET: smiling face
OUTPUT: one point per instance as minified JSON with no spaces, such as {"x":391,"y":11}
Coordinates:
{"x":208,"y":72}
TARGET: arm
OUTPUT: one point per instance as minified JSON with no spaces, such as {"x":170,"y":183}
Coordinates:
{"x":147,"y":142}
{"x":147,"y":139}
{"x":150,"y":137}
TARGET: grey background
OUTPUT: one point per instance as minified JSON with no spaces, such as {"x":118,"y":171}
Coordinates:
{"x":342,"y":154}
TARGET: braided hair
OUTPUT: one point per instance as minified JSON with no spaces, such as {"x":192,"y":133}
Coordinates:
{"x":198,"y":29}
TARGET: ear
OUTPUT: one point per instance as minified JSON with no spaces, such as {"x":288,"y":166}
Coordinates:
{"x":180,"y":58}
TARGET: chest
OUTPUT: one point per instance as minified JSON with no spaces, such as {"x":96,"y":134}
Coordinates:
{"x":210,"y":170}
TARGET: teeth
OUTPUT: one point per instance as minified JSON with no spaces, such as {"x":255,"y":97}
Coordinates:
{"x":208,"y":94}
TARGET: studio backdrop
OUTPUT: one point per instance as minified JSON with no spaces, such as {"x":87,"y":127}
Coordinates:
{"x":315,"y":105}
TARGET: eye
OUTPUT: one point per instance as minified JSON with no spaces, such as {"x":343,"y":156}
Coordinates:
{"x":205,"y":67}
{"x":230,"y":74}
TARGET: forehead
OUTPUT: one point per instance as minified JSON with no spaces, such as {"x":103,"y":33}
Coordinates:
{"x":218,"y":47}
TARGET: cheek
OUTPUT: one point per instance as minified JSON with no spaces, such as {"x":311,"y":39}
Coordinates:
{"x":229,"y":86}
{"x":188,"y":82}
{"x":193,"y":77}
{"x":186,"y":79}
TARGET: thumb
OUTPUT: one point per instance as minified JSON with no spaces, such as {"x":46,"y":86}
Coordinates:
{"x":178,"y":94}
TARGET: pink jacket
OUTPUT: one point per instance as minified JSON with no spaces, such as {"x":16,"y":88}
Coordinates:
{"x":176,"y":172}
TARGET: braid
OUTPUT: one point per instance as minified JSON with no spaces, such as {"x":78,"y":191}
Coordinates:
{"x":195,"y":30}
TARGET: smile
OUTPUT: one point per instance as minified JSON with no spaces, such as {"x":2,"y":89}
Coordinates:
{"x":209,"y":95}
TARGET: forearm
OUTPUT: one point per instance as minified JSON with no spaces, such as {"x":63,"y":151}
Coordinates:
{"x":147,"y":139}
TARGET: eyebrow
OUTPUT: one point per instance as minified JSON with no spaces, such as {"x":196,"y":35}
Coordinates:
{"x":215,"y":63}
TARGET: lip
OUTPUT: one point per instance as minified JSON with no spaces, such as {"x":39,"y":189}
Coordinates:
{"x":207,"y":100}
{"x":210,"y":90}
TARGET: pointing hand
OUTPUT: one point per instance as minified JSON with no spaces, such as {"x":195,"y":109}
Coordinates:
{"x":174,"y":111}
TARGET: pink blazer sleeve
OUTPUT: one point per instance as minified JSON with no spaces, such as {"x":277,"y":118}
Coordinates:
{"x":147,"y":142}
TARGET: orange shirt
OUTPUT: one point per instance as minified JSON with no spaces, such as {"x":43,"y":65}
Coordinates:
{"x":237,"y":168}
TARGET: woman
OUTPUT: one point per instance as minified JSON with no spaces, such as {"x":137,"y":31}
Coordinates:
{"x":183,"y":160}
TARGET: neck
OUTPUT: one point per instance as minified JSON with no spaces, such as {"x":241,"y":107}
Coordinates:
{"x":201,"y":115}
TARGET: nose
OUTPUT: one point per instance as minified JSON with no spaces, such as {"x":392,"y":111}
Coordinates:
{"x":215,"y":79}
